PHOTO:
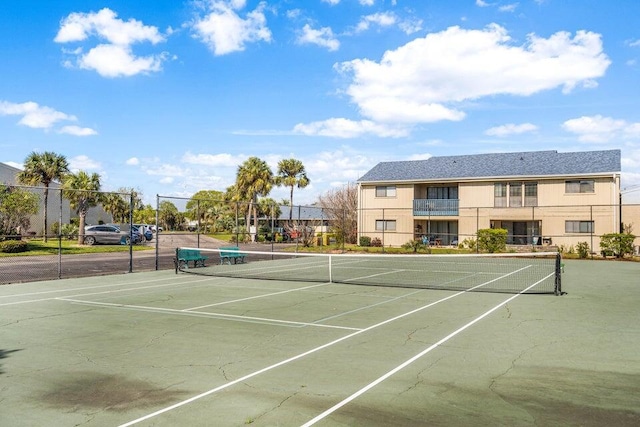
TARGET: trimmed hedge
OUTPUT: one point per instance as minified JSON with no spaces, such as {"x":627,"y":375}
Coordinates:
{"x":492,"y":240}
{"x":13,"y":246}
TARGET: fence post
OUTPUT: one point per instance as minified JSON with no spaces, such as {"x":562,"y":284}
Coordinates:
{"x":591,"y":227}
{"x":157,"y":229}
{"x":60,"y":238}
{"x":131,"y":205}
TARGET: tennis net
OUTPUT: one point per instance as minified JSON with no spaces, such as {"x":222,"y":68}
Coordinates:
{"x":538,"y":272}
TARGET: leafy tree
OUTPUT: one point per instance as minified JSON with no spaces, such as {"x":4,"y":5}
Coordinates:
{"x":254,"y":178}
{"x":210,"y":208}
{"x":117,"y":205}
{"x":146,"y":215}
{"x":43,"y":169}
{"x":291,"y":174}
{"x":341,"y":207}
{"x":16,"y":206}
{"x":83,"y":192}
{"x":168,"y":215}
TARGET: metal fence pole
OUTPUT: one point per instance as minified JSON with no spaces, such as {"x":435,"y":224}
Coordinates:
{"x":60,"y":239}
{"x":131,"y":233}
{"x":157,"y":231}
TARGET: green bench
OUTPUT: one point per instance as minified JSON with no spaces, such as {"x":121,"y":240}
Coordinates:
{"x":231,"y":253}
{"x":184,"y":256}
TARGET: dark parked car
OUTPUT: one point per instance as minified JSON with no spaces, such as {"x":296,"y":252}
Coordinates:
{"x":145,"y":230}
{"x":109,"y":234}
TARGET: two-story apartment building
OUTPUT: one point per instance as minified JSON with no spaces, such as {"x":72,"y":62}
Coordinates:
{"x":541,"y":197}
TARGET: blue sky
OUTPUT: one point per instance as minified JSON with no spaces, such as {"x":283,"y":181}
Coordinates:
{"x":170,"y":96}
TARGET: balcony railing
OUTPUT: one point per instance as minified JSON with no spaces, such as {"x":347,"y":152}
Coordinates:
{"x":435,"y":207}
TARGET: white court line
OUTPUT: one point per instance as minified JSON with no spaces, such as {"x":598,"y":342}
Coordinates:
{"x":103,"y":292}
{"x":97,"y":287}
{"x":301,"y":355}
{"x":205,"y":314}
{"x":257,"y":296}
{"x":414,"y":358}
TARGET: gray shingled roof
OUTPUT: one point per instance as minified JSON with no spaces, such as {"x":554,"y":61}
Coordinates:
{"x":303,"y":213}
{"x":533,"y":163}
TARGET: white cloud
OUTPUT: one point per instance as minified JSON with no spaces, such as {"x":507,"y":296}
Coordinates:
{"x":598,"y":128}
{"x":410,"y":26}
{"x":224,"y":31}
{"x":332,"y":2}
{"x":388,"y":19}
{"x":634,"y":43}
{"x":106,"y":25}
{"x":482,"y":3}
{"x":118,"y":61}
{"x":34,"y":115}
{"x":222,"y":159}
{"x":167,"y":180}
{"x":341,"y":165}
{"x":425,"y":79}
{"x":511,"y":129}
{"x":323,"y":37}
{"x":385,"y":19}
{"x":84,"y":163}
{"x":114,"y":58}
{"x":422,"y":156}
{"x":367,"y":2}
{"x":77,"y":131}
{"x":345,"y":128}
{"x":508,"y":7}
{"x":133,"y":161}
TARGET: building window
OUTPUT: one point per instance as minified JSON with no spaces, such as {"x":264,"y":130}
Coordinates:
{"x":578,"y":226}
{"x":531,"y":194}
{"x":385,"y":225}
{"x":386,"y":191}
{"x":580,"y":186}
{"x":500,"y":195}
{"x":446,"y":193}
{"x":515,"y":194}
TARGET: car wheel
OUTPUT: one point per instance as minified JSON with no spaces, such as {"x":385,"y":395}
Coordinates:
{"x":89,"y":240}
{"x":127,"y":240}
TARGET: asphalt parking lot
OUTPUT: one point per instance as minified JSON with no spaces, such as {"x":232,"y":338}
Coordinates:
{"x":159,"y":255}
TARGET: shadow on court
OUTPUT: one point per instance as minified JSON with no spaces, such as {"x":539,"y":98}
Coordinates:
{"x":163,"y":349}
{"x":4,"y":354}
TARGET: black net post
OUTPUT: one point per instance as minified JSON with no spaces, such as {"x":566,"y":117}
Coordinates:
{"x":558,"y":284}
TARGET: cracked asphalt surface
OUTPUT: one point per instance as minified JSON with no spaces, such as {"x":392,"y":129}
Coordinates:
{"x":111,"y":350}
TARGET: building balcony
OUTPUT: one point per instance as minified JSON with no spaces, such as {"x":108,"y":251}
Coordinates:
{"x":435,"y":207}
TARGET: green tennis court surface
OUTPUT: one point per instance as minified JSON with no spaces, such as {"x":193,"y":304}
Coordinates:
{"x":169,"y":349}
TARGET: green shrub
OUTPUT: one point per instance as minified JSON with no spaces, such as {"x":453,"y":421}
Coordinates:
{"x":365,"y":241}
{"x":492,"y":240}
{"x":583,"y":249}
{"x":13,"y":246}
{"x":414,"y":246}
{"x":618,"y":244}
{"x":468,"y":244}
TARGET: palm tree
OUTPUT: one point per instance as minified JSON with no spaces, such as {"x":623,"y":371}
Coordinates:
{"x":117,"y":206}
{"x":43,"y":169}
{"x":291,"y":174}
{"x":82,"y":191}
{"x":254,"y":178}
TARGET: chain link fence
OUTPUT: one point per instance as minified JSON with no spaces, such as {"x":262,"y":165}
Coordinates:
{"x":41,"y":238}
{"x":551,"y":227}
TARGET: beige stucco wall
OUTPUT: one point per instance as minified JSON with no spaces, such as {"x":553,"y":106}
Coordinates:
{"x":476,"y":210}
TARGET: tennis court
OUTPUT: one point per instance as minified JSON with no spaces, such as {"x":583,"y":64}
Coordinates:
{"x":166,"y":349}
